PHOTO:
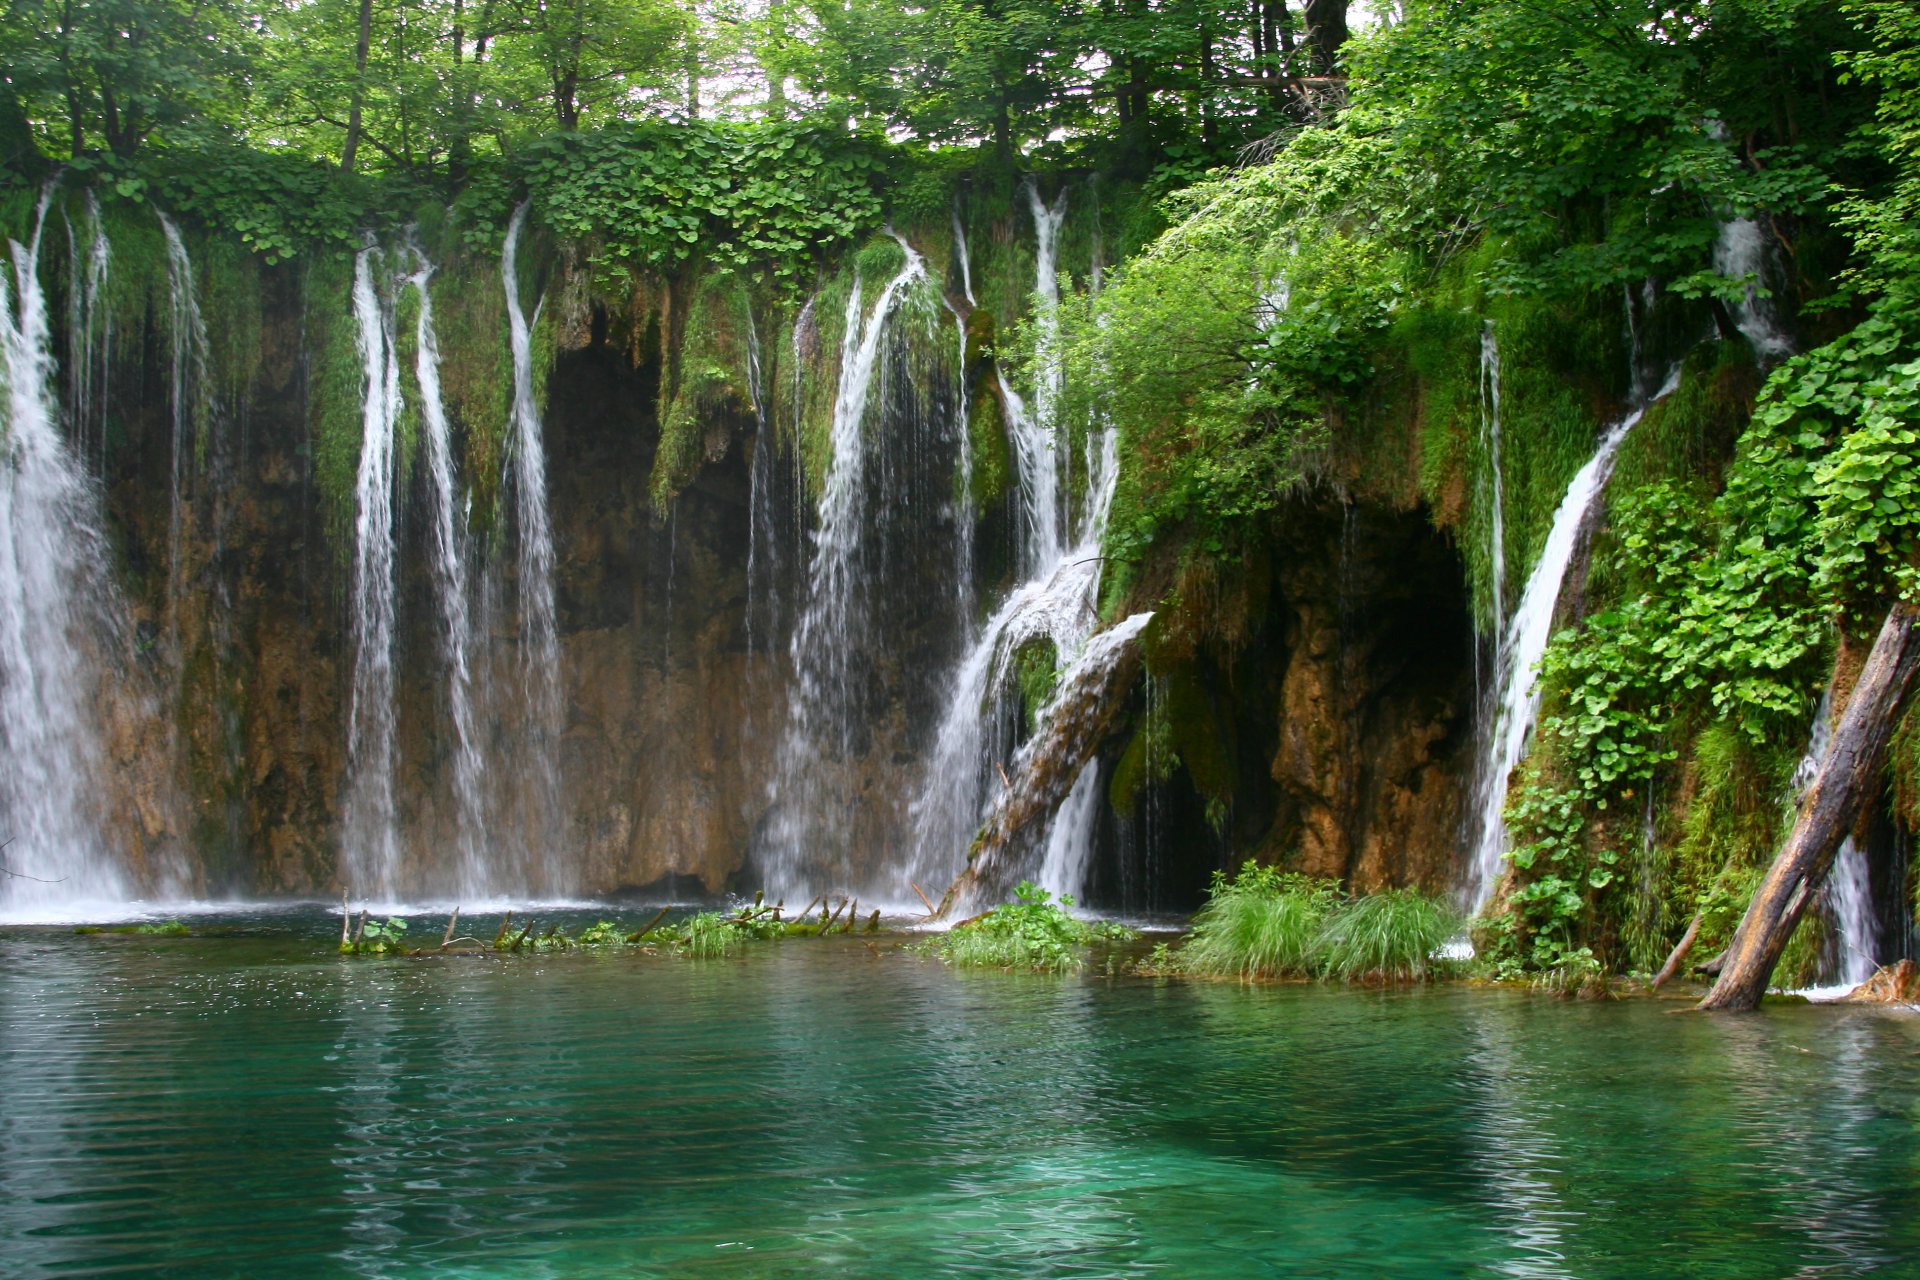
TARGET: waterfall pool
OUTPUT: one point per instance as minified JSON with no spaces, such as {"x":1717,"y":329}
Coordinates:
{"x":250,"y":1103}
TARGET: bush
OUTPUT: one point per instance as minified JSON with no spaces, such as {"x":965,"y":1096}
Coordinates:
{"x":1032,"y":933}
{"x":1390,"y":936}
{"x":1261,"y":924}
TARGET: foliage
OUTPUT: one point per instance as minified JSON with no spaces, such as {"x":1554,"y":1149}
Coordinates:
{"x":1395,"y":935}
{"x":1032,"y":933}
{"x":652,"y":196}
{"x":376,"y":938}
{"x":1263,"y":923}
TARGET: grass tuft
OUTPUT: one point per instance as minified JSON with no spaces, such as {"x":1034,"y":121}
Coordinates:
{"x":1391,"y":936}
{"x":1261,"y":924}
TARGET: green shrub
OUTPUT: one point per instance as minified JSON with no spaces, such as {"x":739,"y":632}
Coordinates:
{"x":1389,"y":936}
{"x":1263,"y":923}
{"x":1032,"y":933}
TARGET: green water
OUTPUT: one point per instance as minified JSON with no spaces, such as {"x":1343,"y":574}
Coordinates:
{"x":255,"y":1106}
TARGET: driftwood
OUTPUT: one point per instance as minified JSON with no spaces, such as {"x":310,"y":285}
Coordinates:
{"x":452,"y":920}
{"x":658,"y":917}
{"x":1830,"y":807}
{"x":1679,"y":954}
{"x":506,"y":923}
{"x":931,"y":909}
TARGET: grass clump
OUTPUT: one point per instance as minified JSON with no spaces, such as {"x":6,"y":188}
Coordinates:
{"x":1391,"y":936}
{"x":1033,"y":933}
{"x":1266,"y":923}
{"x":1263,"y":923}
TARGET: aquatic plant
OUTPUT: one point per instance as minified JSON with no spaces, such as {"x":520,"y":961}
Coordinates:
{"x":375,"y":937}
{"x":1263,"y":923}
{"x":1390,"y":936}
{"x":1032,"y":933}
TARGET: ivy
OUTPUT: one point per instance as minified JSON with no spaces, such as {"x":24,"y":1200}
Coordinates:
{"x":654,"y":195}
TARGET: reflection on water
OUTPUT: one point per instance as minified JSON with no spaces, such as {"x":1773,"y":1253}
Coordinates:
{"x":253,"y":1104}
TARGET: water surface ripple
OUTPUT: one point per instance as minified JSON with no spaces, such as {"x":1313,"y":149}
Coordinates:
{"x":253,"y":1105}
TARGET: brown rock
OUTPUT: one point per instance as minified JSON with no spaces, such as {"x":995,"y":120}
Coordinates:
{"x":1897,"y":983}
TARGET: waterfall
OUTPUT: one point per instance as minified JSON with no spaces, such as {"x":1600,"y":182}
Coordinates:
{"x":960,"y":252}
{"x":1521,"y":647}
{"x":371,"y":856}
{"x":1496,"y":488}
{"x":1741,"y":253}
{"x":89,"y":332}
{"x":58,"y":619}
{"x":1849,"y":893}
{"x":450,"y":581}
{"x":821,"y":723}
{"x":539,"y":632}
{"x":187,"y":334}
{"x":1056,"y":603}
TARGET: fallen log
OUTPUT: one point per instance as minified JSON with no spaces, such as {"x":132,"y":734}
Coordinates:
{"x":1831,"y":805}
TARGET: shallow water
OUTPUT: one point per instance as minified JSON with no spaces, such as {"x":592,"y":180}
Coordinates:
{"x":253,"y":1104}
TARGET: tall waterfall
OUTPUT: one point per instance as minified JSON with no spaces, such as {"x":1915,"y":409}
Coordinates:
{"x":810,"y":801}
{"x":450,"y":580}
{"x":58,"y":619}
{"x":539,"y":628}
{"x":371,"y":853}
{"x":1056,"y":603}
{"x":1521,"y":647}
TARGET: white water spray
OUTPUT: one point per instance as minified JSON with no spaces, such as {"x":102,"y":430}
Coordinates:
{"x":1496,"y":490}
{"x":187,"y":333}
{"x":1849,"y":892}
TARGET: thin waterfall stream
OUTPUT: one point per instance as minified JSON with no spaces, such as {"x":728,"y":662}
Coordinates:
{"x":540,"y":828}
{"x":1521,"y":647}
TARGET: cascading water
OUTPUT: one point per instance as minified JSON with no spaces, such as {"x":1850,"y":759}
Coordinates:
{"x":1496,"y":490}
{"x":539,"y":628}
{"x":1521,"y":648}
{"x":1741,"y":254}
{"x":371,"y":852}
{"x":89,"y":332}
{"x":1849,"y":892}
{"x":450,"y":579}
{"x":1055,"y":605}
{"x":58,"y":616}
{"x":187,"y":334}
{"x":807,"y":806}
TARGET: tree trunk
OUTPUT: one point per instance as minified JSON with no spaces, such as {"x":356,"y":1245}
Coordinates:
{"x":351,"y":147}
{"x":1327,"y":32}
{"x":1848,"y":775}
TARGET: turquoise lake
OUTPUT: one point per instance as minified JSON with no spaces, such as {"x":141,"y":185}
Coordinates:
{"x":256,"y":1105}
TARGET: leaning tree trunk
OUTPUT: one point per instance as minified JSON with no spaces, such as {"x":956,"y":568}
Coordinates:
{"x":1828,"y":811}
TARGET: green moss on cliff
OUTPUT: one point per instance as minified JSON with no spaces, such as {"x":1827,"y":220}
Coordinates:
{"x":711,"y":389}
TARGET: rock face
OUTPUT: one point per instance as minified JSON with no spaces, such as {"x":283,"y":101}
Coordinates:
{"x":1375,"y":708}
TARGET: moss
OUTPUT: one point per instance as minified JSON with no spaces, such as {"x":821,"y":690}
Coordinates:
{"x":231,"y":305}
{"x":1200,"y":739}
{"x":1729,"y":819}
{"x":335,"y":393}
{"x":476,"y":371}
{"x":1036,"y":670}
{"x":1690,"y":435}
{"x":710,"y":387}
